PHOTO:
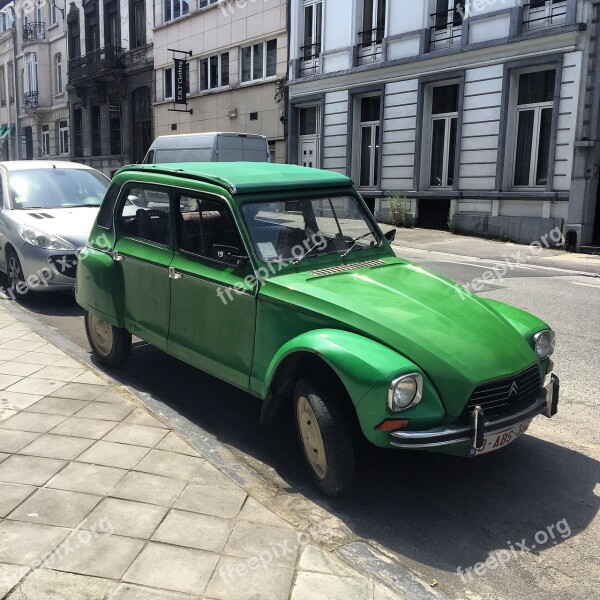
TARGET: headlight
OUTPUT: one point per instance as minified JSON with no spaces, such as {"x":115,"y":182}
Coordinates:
{"x":405,"y":391}
{"x":43,"y":240}
{"x":543,"y":343}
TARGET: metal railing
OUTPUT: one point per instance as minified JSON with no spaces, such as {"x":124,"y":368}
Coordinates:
{"x":95,"y":63}
{"x":310,"y":59}
{"x":369,"y":45}
{"x":446,"y":29}
{"x":31,"y":99}
{"x":34,"y":31}
{"x":548,"y":14}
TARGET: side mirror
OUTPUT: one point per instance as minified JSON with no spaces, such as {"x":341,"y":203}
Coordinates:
{"x":229,"y":254}
{"x":390,"y":235}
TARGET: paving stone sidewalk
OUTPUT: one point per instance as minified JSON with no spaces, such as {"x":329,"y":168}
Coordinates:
{"x":100,"y":500}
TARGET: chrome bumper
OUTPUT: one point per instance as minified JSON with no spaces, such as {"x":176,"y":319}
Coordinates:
{"x":546,"y":403}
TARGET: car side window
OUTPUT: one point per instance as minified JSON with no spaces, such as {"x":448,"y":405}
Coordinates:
{"x":108,"y":205}
{"x":145,"y":214}
{"x":204,"y":226}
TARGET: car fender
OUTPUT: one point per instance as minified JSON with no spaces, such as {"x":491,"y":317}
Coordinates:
{"x":98,"y":286}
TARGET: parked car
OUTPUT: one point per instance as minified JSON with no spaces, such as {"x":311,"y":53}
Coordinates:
{"x":277,"y":279}
{"x":208,"y":147}
{"x":47,"y":210}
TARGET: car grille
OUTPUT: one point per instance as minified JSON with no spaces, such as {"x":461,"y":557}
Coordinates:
{"x":64,"y":265}
{"x":342,"y":268}
{"x":506,"y":394}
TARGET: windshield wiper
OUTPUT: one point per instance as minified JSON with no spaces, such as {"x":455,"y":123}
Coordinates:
{"x":308,"y":251}
{"x":355,"y":241}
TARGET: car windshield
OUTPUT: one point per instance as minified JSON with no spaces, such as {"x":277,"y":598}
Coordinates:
{"x":56,"y":188}
{"x":293,"y":229}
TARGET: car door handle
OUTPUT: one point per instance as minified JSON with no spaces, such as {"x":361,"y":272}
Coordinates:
{"x":173,"y":274}
{"x":116,"y":256}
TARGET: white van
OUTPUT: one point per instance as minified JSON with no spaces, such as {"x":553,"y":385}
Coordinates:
{"x":208,"y":147}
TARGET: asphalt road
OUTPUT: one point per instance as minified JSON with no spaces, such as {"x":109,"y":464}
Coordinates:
{"x":439,"y":513}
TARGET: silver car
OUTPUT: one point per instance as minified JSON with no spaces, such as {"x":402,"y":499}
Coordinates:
{"x":46,"y":213}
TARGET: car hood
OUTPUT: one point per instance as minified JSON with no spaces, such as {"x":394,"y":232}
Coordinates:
{"x":71,"y":224}
{"x":456,"y":338}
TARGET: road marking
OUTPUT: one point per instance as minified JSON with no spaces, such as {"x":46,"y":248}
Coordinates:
{"x":456,"y":262}
{"x":586,"y":284}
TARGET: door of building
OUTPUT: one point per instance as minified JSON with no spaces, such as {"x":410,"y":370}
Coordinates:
{"x":142,"y":123}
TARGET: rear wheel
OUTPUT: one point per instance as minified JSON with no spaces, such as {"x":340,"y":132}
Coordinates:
{"x":324,"y":436}
{"x":111,"y":345}
{"x":16,"y":278}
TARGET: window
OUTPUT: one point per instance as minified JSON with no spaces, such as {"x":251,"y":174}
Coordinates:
{"x":3,"y":26}
{"x":11,"y":83}
{"x":446,"y":23}
{"x":259,"y":61}
{"x":138,"y":24}
{"x":46,"y":140}
{"x":168,"y":83}
{"x":63,"y":137}
{"x":204,"y":225}
{"x":74,"y":40}
{"x":205,"y":3}
{"x":444,"y":122}
{"x":544,"y":13}
{"x":2,"y":87}
{"x":145,"y":215}
{"x":39,"y":9}
{"x":78,"y":132}
{"x":533,"y":127}
{"x":58,"y":69}
{"x":112,"y":32}
{"x":96,"y":135}
{"x":30,"y":73}
{"x":214,"y":72}
{"x":369,"y":133}
{"x":53,"y":13}
{"x":92,"y":29}
{"x":373,"y":31}
{"x":173,"y":9}
{"x":311,"y":48}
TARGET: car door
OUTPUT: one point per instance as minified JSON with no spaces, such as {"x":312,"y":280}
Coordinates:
{"x":213,"y":300}
{"x":144,"y":251}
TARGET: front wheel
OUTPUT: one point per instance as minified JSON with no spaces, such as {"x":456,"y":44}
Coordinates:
{"x":16,"y":279}
{"x":111,"y":345}
{"x":325,"y":437}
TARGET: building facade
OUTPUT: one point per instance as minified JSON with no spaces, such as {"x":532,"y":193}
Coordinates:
{"x":33,"y":95}
{"x":482,"y":114}
{"x":110,"y":81}
{"x":236,"y":70}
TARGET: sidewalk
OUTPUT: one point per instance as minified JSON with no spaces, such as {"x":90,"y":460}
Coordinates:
{"x":100,"y":500}
{"x":477,"y":248}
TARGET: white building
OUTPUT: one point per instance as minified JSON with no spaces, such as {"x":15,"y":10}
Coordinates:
{"x":486,"y":109}
{"x":34,"y":111}
{"x":236,"y":70}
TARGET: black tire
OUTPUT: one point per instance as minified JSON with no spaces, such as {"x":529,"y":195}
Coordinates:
{"x":337,"y":473}
{"x":15,"y":276}
{"x":117,"y":344}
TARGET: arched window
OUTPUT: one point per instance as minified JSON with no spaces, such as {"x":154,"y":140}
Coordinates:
{"x":58,"y":73}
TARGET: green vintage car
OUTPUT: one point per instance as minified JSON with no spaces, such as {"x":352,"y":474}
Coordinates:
{"x":277,"y":280}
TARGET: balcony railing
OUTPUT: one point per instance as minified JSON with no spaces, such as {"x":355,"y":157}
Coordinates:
{"x":446,"y":28}
{"x":95,"y":63}
{"x":310,"y":59}
{"x":369,"y":45}
{"x":34,"y":31}
{"x":539,"y":15}
{"x":31,"y":99}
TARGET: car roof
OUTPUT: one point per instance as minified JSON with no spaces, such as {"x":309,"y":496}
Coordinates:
{"x":21,"y":165}
{"x":247,"y":177}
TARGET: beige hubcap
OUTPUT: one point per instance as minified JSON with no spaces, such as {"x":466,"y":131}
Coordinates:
{"x":102,"y":335}
{"x":311,"y":437}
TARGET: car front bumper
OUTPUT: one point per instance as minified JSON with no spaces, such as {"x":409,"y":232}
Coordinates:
{"x":46,"y":270}
{"x":545,"y":403}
